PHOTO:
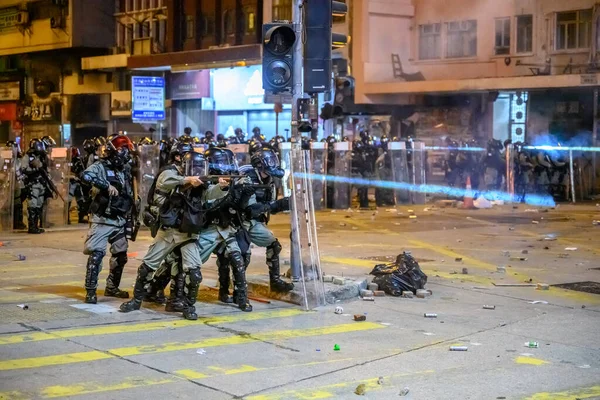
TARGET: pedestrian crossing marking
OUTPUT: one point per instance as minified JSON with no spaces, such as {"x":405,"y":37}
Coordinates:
{"x":71,"y":358}
{"x":91,"y":387}
{"x":147,"y":326}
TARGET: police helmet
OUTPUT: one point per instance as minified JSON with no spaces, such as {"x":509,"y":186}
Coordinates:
{"x":209,"y":135}
{"x":220,"y":161}
{"x":49,"y":142}
{"x":37,"y":146}
{"x":186,"y":139}
{"x":89,"y":146}
{"x":180,"y":149}
{"x":187,"y":131}
{"x":118,"y":150}
{"x":145,"y":141}
{"x":194,"y":164}
{"x":254,"y":145}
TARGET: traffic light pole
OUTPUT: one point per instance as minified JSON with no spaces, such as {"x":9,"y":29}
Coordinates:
{"x":297,"y":94}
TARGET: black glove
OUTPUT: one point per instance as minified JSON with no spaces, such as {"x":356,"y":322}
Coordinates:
{"x":280,"y":205}
{"x":256,"y":210}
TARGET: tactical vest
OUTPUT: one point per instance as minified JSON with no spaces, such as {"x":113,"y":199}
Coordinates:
{"x":112,"y":207}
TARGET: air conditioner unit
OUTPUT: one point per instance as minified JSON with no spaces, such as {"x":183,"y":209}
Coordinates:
{"x":23,"y":18}
{"x":57,"y":22}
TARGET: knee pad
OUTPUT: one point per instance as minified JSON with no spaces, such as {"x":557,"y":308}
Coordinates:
{"x":275,"y":247}
{"x":95,"y":258}
{"x":144,"y":271}
{"x":120,"y":258}
{"x":195,"y":276}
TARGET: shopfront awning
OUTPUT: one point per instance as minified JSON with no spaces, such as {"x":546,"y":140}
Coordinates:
{"x":199,"y":59}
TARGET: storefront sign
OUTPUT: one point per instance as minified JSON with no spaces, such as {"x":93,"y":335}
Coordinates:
{"x":8,"y":111}
{"x":190,"y":85}
{"x":148,"y":98}
{"x":120,"y":103}
{"x":10,"y":90}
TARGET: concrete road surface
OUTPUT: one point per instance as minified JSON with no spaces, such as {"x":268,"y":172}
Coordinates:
{"x":58,"y":347}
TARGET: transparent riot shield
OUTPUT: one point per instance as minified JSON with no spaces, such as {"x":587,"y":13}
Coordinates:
{"x":510,"y":171}
{"x":419,"y":164}
{"x":285,"y":150}
{"x":304,"y":233}
{"x":7,"y":185}
{"x":56,"y":208}
{"x":343,"y":173}
{"x":242,"y":156}
{"x":400,"y":173}
{"x":318,"y":159}
{"x":149,"y":155}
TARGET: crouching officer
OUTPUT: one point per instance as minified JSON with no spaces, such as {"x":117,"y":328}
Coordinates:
{"x":262,"y":171}
{"x":171,"y":206}
{"x":112,"y":202}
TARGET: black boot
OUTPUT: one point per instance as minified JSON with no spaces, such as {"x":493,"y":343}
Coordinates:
{"x":32,"y":221}
{"x":192,"y":283}
{"x":277,"y":284}
{"x":38,"y":221}
{"x":156,"y":289}
{"x":91,"y":276}
{"x":240,"y":292}
{"x":139,"y":290}
{"x":176,"y":302}
{"x":113,"y":280}
{"x":81,"y":212}
{"x":224,"y":279}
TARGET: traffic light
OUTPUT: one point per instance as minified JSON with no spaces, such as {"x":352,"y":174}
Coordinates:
{"x":319,"y":42}
{"x":278,"y":57}
{"x":342,"y":101}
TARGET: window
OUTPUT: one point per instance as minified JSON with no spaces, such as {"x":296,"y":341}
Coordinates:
{"x":524,"y":34}
{"x":462,"y":39}
{"x":502,"y":36}
{"x":282,"y":10}
{"x":228,"y":22}
{"x":208,"y":26}
{"x":250,"y":22}
{"x":190,"y":27}
{"x":430,"y":41}
{"x":573,"y":30}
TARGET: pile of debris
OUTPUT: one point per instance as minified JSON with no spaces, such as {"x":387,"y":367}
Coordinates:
{"x":401,"y":277}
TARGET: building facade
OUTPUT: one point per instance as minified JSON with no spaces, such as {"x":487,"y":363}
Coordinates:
{"x":509,"y":69}
{"x":41,"y":46}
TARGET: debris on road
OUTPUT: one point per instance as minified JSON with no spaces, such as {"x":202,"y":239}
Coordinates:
{"x":360,"y":389}
{"x":538,"y":302}
{"x":407,"y":294}
{"x":482,"y":203}
{"x":485,"y":307}
{"x":524,"y":251}
{"x":336,"y":347}
{"x":359,"y":317}
{"x":458,"y":259}
{"x":465,"y":271}
{"x":423,"y":293}
{"x":379,"y":293}
{"x":338,"y":281}
{"x":21,"y":257}
{"x":380,"y":380}
{"x":366,"y":293}
{"x":373,"y":286}
{"x":549,"y":238}
{"x":459,"y":348}
{"x":506,"y":253}
{"x":535,"y":222}
{"x":563,"y":255}
{"x":339,"y":310}
{"x":518,"y":259}
{"x":368,"y":298}
{"x":23,"y":306}
{"x":532,"y":210}
{"x":404,"y":392}
{"x":570,"y":248}
{"x":401,"y":275}
{"x":501,"y":269}
{"x":532,"y":345}
{"x":596,"y":223}
{"x":328,"y":278}
{"x":430,"y":315}
{"x":200,"y":351}
{"x":543,"y":286}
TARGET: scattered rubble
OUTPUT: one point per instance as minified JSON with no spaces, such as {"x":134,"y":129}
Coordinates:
{"x":373,"y":286}
{"x":360,"y":317}
{"x":486,"y":307}
{"x":404,"y":274}
{"x":543,"y":286}
{"x":465,"y":271}
{"x":339,"y":310}
{"x":366,"y":293}
{"x":360,"y":389}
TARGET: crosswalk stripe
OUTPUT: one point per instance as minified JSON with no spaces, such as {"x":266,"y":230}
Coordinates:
{"x":71,"y":358}
{"x":148,"y":326}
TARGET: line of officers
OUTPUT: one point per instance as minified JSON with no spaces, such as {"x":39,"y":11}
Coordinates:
{"x":199,"y":203}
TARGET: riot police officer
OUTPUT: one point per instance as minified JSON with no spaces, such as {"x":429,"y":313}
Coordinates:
{"x":36,"y":173}
{"x":264,"y":167}
{"x":360,"y":169}
{"x":331,"y":141}
{"x":19,"y":187}
{"x":112,"y":194}
{"x":383,"y":169}
{"x":240,"y":137}
{"x":168,"y":208}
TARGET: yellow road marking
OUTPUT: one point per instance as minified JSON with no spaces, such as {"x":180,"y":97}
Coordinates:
{"x":530,"y":361}
{"x":143,"y":327}
{"x":452,"y":254}
{"x":329,"y":391}
{"x":350,"y":261}
{"x":584,"y":393}
{"x":70,"y":358}
{"x":37,"y":267}
{"x":91,"y":387}
{"x":191,"y":374}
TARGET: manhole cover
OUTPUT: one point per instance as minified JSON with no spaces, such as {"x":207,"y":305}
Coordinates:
{"x":587,"y":287}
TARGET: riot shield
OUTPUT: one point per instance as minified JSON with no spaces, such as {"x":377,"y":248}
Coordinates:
{"x":241,"y":153}
{"x":149,"y":155}
{"x":418,"y":169}
{"x":343,"y":174}
{"x":7,"y":185}
{"x":56,"y":208}
{"x":304,"y":233}
{"x":285,"y":150}
{"x":318,"y":159}
{"x":510,"y":171}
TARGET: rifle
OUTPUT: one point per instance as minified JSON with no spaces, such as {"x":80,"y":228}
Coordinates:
{"x":49,"y":184}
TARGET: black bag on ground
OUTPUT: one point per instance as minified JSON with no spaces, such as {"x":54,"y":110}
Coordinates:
{"x":402,"y":275}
